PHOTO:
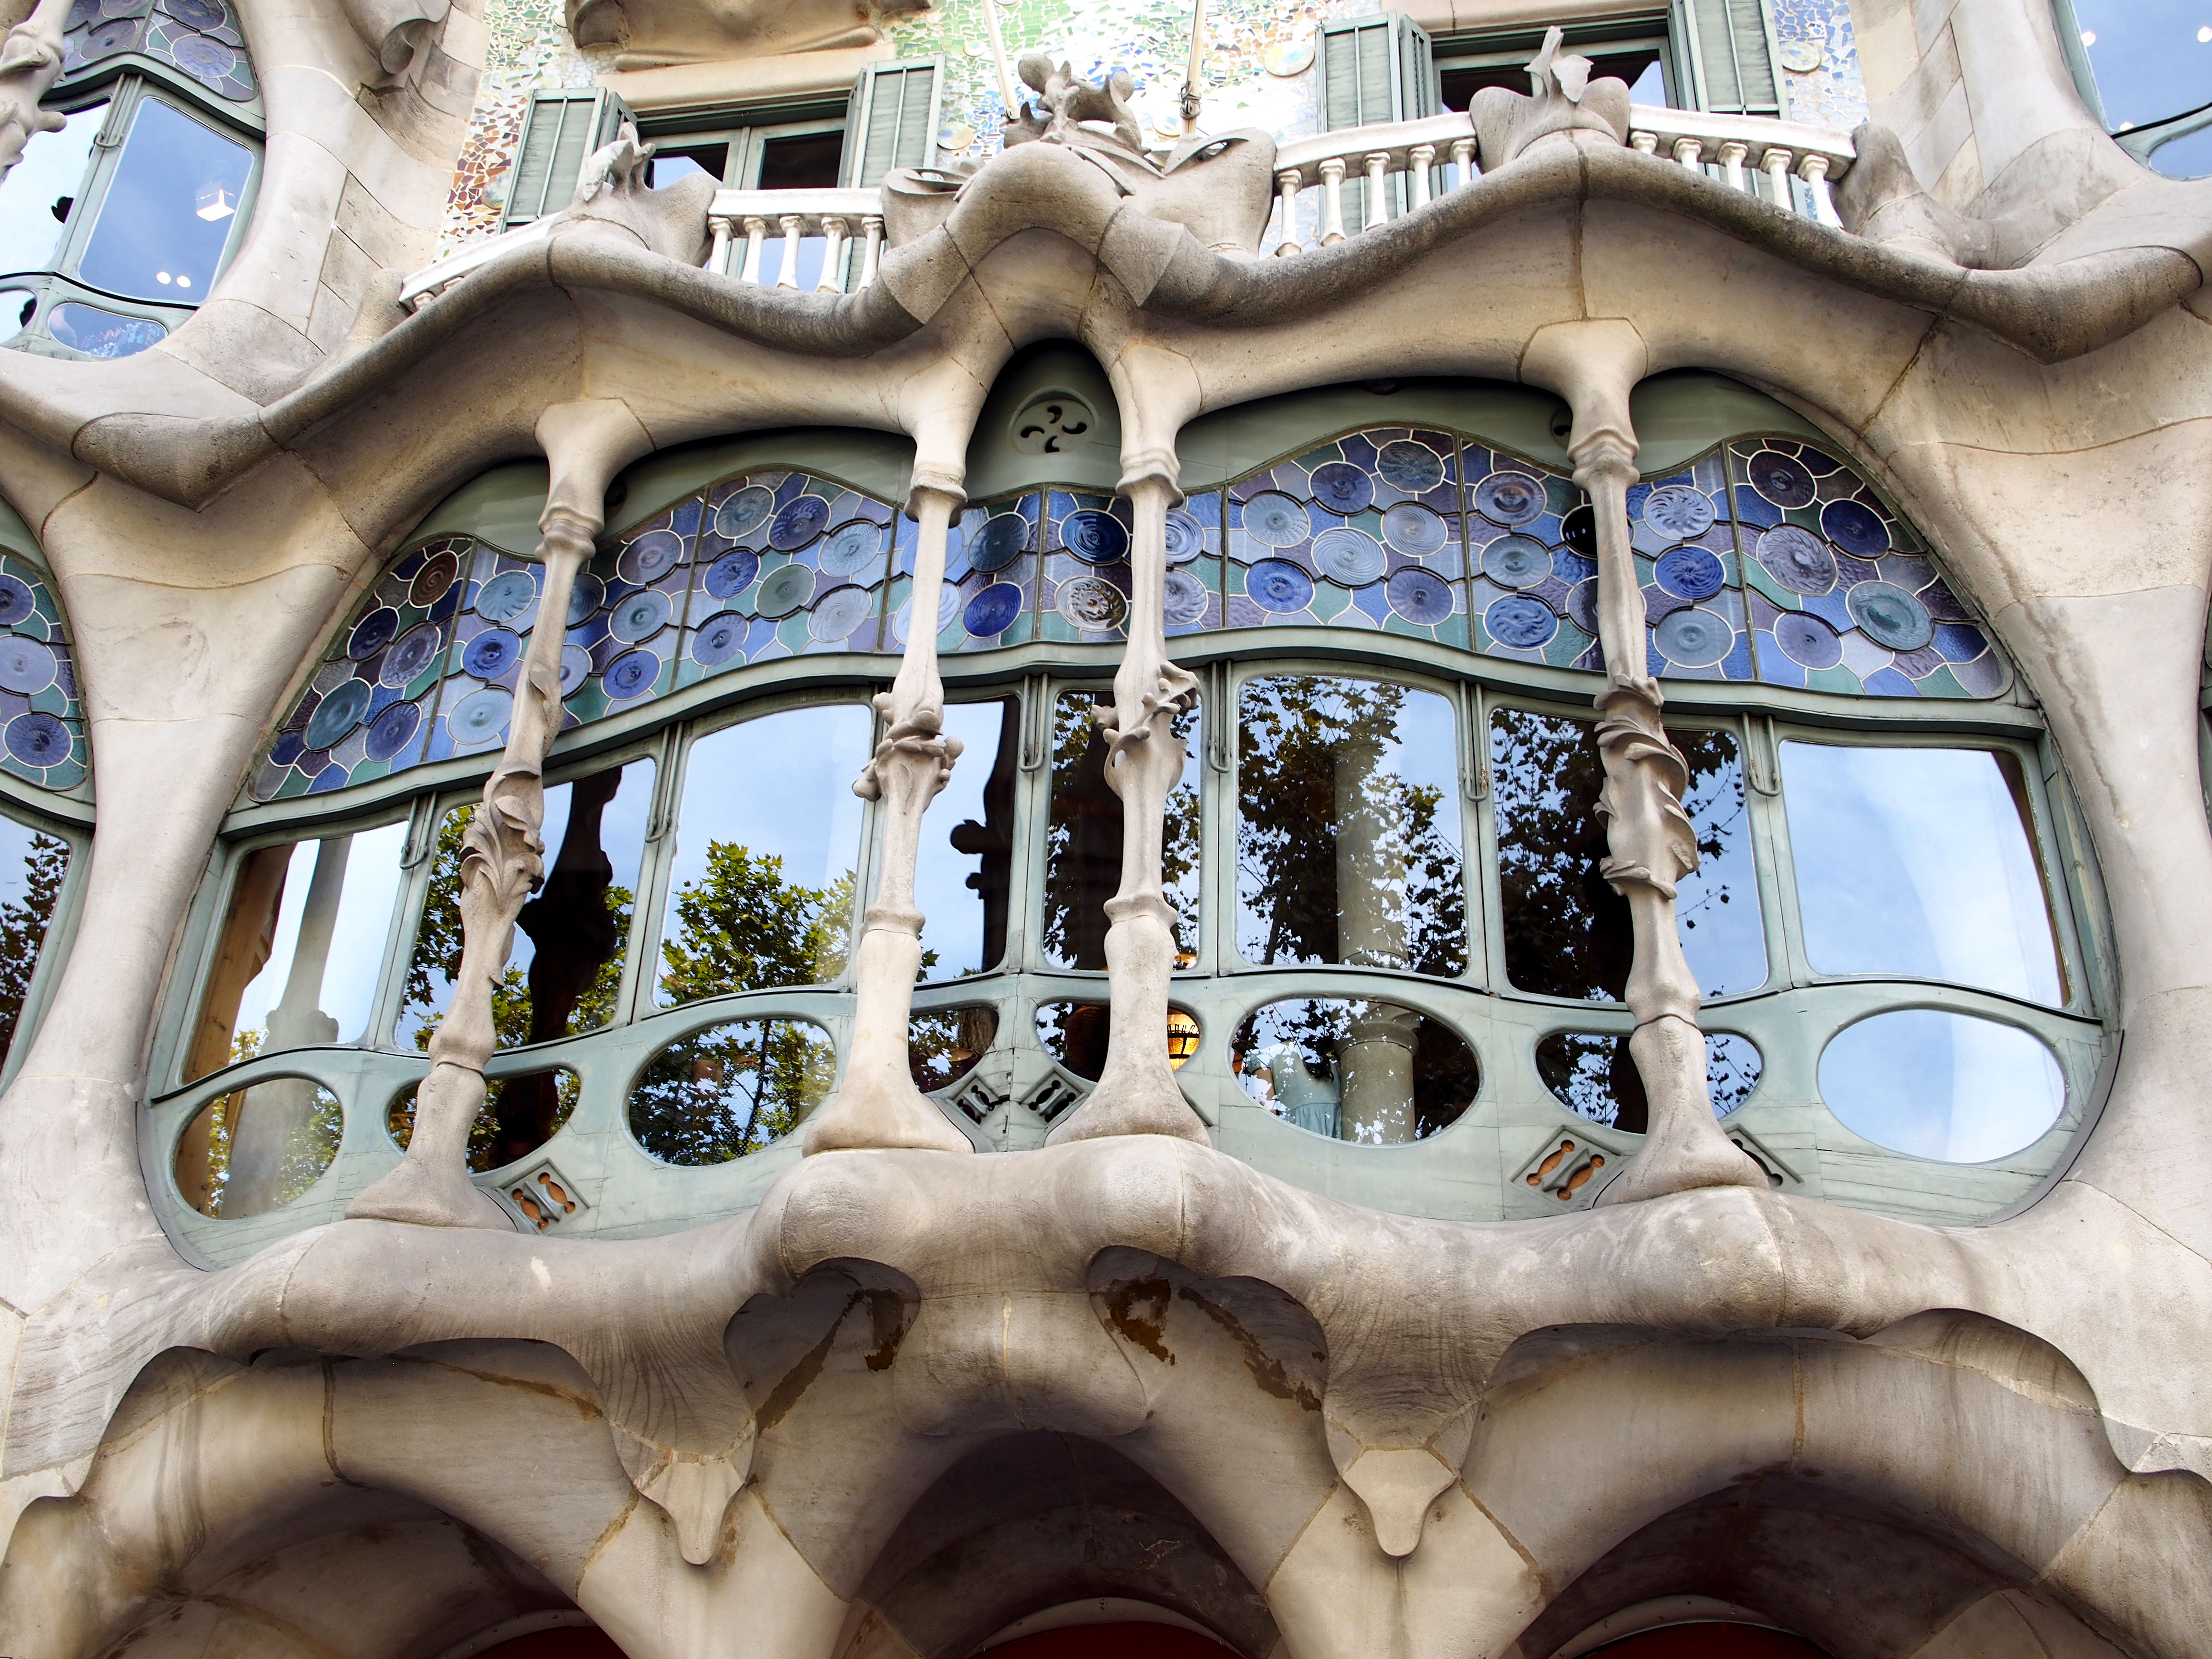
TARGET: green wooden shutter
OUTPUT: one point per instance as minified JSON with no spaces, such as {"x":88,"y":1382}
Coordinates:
{"x":560,"y":131}
{"x":1375,"y":68}
{"x":892,"y":119}
{"x":1732,"y":56}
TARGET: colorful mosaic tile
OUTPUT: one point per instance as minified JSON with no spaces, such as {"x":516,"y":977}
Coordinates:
{"x":41,"y":725}
{"x":200,"y":37}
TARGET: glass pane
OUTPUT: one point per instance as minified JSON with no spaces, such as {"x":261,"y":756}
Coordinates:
{"x":1083,"y":847}
{"x":520,"y":1115}
{"x":944,"y":1046}
{"x":2151,"y":57}
{"x":731,"y":1089}
{"x":1939,"y":1085}
{"x":1348,"y":839}
{"x":967,"y":854}
{"x":1593,"y":1073}
{"x":768,"y":845}
{"x":804,"y":161}
{"x":167,"y":215}
{"x":1368,"y":1072}
{"x":1076,"y":1033}
{"x":33,"y":867}
{"x":565,"y":970}
{"x":101,"y":333}
{"x":296,"y":964}
{"x":668,"y":166}
{"x":17,"y":307}
{"x":1567,"y":932}
{"x":255,"y":1149}
{"x":1917,"y":861}
{"x":38,"y":191}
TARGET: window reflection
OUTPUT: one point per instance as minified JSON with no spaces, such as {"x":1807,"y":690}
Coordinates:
{"x":945,"y":1046}
{"x":256,"y":1150}
{"x":1567,"y":932}
{"x":967,"y":856}
{"x":731,"y":1089}
{"x":1918,"y":861}
{"x":297,"y":960}
{"x":767,"y":852}
{"x":1348,"y":840}
{"x":40,"y":189}
{"x":1356,"y":1070}
{"x":1076,"y":1034}
{"x":169,"y":208}
{"x":33,"y":867}
{"x":1083,"y":847}
{"x":1593,"y":1073}
{"x":510,"y":1123}
{"x":98,"y":332}
{"x":565,"y":972}
{"x":1941,"y":1086}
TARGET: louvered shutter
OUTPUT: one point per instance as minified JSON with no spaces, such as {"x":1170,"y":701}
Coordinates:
{"x":892,"y":120}
{"x":1375,"y":68}
{"x":1732,"y":56}
{"x":560,"y":131}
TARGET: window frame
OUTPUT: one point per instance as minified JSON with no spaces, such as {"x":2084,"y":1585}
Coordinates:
{"x":42,"y":817}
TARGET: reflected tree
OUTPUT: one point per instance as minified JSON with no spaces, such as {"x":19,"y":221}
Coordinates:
{"x":731,"y":1089}
{"x":1083,"y":855}
{"x":23,"y":924}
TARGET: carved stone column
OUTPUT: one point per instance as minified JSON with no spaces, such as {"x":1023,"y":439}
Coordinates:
{"x":1137,"y":1092}
{"x":877,"y":1103}
{"x":30,"y":60}
{"x":1652,"y":846}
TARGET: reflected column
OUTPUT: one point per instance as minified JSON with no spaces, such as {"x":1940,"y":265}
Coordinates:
{"x":1137,"y":1093}
{"x":877,"y":1103}
{"x":1374,"y":1071}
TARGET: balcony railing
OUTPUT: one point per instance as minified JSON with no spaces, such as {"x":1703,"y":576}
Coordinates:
{"x":1405,"y":165}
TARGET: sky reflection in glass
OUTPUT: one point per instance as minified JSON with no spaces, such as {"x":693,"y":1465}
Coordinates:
{"x":1917,"y":862}
{"x":1940,"y":1085}
{"x":355,"y":954}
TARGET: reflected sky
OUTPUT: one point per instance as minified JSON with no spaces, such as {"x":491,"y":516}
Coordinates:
{"x":155,"y":239}
{"x":952,"y":911}
{"x":52,"y":167}
{"x":1915,"y":861}
{"x":357,"y":941}
{"x":2153,"y":59}
{"x":1940,"y":1085}
{"x":1717,"y":904}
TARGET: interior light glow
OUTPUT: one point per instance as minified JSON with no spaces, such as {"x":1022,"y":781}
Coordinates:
{"x":184,"y":282}
{"x":2088,"y":37}
{"x":2204,"y":35}
{"x":161,"y":276}
{"x":216,"y":200}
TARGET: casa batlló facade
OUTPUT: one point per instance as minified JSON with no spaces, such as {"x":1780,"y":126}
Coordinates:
{"x":1354,"y":834}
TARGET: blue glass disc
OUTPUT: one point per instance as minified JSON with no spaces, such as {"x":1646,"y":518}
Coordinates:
{"x":717,"y":639}
{"x":992,"y":612}
{"x":1808,"y":640}
{"x":799,"y":523}
{"x":852,"y":547}
{"x":732,"y":574}
{"x":16,"y":603}
{"x":1691,"y":573}
{"x":413,"y":652}
{"x":1274,"y":519}
{"x":1855,"y":528}
{"x":651,"y":556}
{"x":1411,"y":528}
{"x":373,"y":633}
{"x":743,"y":513}
{"x":1782,"y":480}
{"x":37,"y":739}
{"x":1516,"y":562}
{"x":1512,"y":499}
{"x":1350,"y":557}
{"x":1003,"y":538}
{"x":1693,"y":637}
{"x":506,"y":596}
{"x":630,"y":673}
{"x":837,"y":613}
{"x":1889,"y":615}
{"x":388,"y":734}
{"x":1679,"y":512}
{"x":1186,"y":537}
{"x":1279,"y":586}
{"x":27,"y":666}
{"x":785,"y":591}
{"x":480,"y":717}
{"x":640,"y":616}
{"x":338,"y":713}
{"x":1420,"y":596}
{"x":585,"y":598}
{"x":1797,"y":559}
{"x":491,"y":653}
{"x":1187,"y":598}
{"x":1342,"y":487}
{"x":1093,"y":537}
{"x":576,"y":667}
{"x":1520,"y":622}
{"x":1413,"y":467}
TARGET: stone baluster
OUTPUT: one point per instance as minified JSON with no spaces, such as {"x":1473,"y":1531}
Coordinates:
{"x":1814,"y":170}
{"x":717,"y":255}
{"x":1652,"y":844}
{"x":1732,"y":154}
{"x":756,"y":236}
{"x":1286,"y":194}
{"x":833,"y":255}
{"x":1462,"y":154}
{"x":1378,"y":198}
{"x":1137,"y":1092}
{"x":502,"y":856}
{"x":872,"y":228}
{"x":788,"y":276}
{"x":1645,"y":143}
{"x":876,"y":1103}
{"x":1775,"y":162}
{"x":1332,"y":201}
{"x":1417,"y":160}
{"x":1691,"y":153}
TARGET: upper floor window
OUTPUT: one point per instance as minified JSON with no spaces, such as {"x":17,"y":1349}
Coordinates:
{"x":2146,"y":68}
{"x":115,"y":227}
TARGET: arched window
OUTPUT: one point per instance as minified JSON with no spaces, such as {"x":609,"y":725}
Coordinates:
{"x":117,"y":225}
{"x":1400,"y":970}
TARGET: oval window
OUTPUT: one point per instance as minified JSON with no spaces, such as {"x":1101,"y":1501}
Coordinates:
{"x":1594,"y":1076}
{"x":255,"y":1149}
{"x":1075,"y":1033}
{"x":520,"y":1115}
{"x":731,"y":1089}
{"x":1357,"y":1070}
{"x":1940,"y":1085}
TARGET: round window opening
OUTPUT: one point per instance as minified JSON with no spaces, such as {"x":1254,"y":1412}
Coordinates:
{"x":1051,"y":423}
{"x":1355,"y":1069}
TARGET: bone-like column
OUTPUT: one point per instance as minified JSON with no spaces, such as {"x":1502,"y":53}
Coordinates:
{"x":1652,"y":843}
{"x":1137,"y":1092}
{"x":502,"y":855}
{"x":30,"y":59}
{"x":877,"y":1103}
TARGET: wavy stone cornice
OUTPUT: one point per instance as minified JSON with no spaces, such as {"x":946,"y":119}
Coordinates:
{"x":2051,"y":312}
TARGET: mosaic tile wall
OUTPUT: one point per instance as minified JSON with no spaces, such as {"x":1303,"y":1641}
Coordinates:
{"x":529,"y":47}
{"x":41,"y":724}
{"x":1821,"y":62}
{"x":200,"y":37}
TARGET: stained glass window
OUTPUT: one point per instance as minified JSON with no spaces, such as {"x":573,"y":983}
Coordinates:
{"x":200,"y":37}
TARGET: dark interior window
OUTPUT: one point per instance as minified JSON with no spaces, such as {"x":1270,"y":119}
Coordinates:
{"x":1460,"y":85}
{"x":806,"y":162}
